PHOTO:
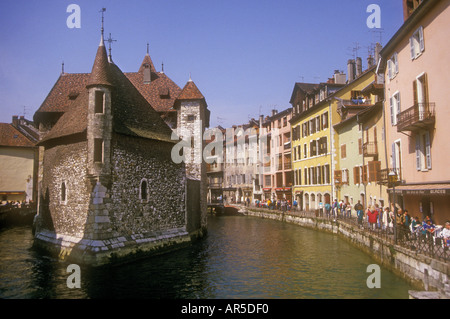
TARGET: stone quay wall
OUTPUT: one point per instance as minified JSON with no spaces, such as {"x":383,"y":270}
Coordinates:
{"x":424,"y":273}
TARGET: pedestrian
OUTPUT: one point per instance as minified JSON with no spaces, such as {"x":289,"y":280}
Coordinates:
{"x":446,"y":235}
{"x":359,"y":212}
{"x":328,"y":209}
{"x":348,"y":210}
{"x":335,"y":208}
{"x":295,"y":205}
{"x":373,"y":217}
{"x":400,"y":221}
{"x":406,"y":223}
{"x":385,"y":218}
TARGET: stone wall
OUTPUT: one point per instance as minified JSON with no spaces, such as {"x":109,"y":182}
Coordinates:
{"x":64,"y":164}
{"x":421,"y":271}
{"x":133,"y":161}
{"x":106,"y":219}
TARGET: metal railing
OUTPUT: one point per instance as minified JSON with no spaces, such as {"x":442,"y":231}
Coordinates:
{"x":370,"y":149}
{"x":419,"y":241}
{"x":417,"y":116}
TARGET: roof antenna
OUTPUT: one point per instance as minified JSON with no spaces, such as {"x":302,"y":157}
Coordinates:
{"x":62,"y":67}
{"x":162,"y":67}
{"x":148,"y":49}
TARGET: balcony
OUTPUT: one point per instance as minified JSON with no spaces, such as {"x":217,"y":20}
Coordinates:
{"x":419,"y":116}
{"x":370,"y":149}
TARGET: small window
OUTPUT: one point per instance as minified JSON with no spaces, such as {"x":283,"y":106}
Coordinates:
{"x":98,"y":150}
{"x":143,"y":191}
{"x":191,"y":118}
{"x":99,"y":102}
{"x":417,"y":43}
{"x":63,"y":193}
{"x":392,"y":66}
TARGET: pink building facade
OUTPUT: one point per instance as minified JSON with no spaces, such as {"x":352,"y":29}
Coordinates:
{"x":416,"y":68}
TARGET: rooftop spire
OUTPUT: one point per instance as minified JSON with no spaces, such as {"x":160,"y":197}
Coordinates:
{"x":148,"y":52}
{"x":102,"y":29}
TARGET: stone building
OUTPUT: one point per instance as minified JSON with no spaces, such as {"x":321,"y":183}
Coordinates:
{"x":109,"y":189}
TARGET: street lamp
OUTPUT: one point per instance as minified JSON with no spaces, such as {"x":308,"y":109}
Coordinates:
{"x":393,"y":181}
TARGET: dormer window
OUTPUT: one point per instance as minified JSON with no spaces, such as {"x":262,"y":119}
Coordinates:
{"x":147,"y":74}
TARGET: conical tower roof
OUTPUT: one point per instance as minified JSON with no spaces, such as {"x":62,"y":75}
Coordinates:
{"x":190,"y":92}
{"x":100,"y":74}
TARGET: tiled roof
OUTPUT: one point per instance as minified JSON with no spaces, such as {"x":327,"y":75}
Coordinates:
{"x":147,"y":60}
{"x":190,"y":92}
{"x":160,"y":83}
{"x":10,"y":136}
{"x":133,"y":115}
{"x":63,"y":92}
{"x":100,"y":74}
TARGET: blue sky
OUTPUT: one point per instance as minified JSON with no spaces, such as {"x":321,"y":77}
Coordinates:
{"x":245,"y":56}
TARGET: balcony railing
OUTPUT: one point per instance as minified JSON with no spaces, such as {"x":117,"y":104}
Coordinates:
{"x":419,"y":116}
{"x":370,"y":149}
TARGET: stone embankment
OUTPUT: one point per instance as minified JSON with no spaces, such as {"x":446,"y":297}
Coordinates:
{"x":423,"y":272}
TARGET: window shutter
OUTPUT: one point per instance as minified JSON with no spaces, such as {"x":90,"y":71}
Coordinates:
{"x":413,"y":51}
{"x":425,"y":89}
{"x":416,"y":99}
{"x":374,"y":171}
{"x":398,"y":104}
{"x":394,"y":164}
{"x":364,"y":174}
{"x":396,"y":62}
{"x":389,"y":64}
{"x":421,"y":40}
{"x":418,"y":164}
{"x":428,"y":149}
{"x":356,"y":175}
{"x":391,"y":101}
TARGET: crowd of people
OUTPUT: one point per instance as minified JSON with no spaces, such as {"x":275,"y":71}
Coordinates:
{"x":15,"y":204}
{"x":376,"y":217}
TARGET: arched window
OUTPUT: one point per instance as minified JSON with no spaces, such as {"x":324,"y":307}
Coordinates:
{"x":143,"y":191}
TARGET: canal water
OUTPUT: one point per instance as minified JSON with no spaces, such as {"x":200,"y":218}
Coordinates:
{"x":242,"y":257}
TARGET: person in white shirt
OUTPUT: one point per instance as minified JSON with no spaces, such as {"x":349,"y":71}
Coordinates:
{"x":446,"y":234}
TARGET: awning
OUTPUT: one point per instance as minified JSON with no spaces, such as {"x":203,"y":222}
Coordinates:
{"x":423,"y":189}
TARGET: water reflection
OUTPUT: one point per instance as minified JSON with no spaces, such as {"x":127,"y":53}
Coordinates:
{"x":242,"y":257}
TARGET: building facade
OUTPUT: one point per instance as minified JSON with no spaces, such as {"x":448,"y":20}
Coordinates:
{"x":311,"y":141}
{"x":19,"y":160}
{"x":413,"y":63}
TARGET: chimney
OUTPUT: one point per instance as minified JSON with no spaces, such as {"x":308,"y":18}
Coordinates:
{"x":370,"y":61}
{"x":351,"y":70}
{"x":378,"y":48}
{"x":15,"y":121}
{"x":339,"y":77}
{"x":358,"y":67}
{"x":261,"y":120}
{"x":274,"y":112}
